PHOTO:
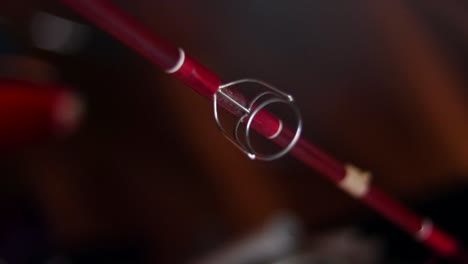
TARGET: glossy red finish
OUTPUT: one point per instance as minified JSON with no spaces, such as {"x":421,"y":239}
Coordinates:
{"x":199,"y":78}
{"x":265,"y":123}
{"x":439,"y":241}
{"x":393,"y":210}
{"x":28,"y":112}
{"x":312,"y":156}
{"x":444,"y":243}
{"x":116,"y":22}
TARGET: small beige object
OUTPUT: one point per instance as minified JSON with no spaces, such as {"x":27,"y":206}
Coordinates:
{"x":356,"y":182}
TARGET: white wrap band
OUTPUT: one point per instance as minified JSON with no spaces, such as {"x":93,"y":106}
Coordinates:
{"x":356,"y":182}
{"x":280,"y":128}
{"x":179,"y":62}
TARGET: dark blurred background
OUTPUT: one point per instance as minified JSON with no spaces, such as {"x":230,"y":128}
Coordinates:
{"x":147,"y":177}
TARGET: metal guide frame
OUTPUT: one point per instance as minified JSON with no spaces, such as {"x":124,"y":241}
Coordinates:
{"x":272,"y":95}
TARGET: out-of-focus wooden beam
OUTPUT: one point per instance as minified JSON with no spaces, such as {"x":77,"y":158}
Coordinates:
{"x":432,"y":88}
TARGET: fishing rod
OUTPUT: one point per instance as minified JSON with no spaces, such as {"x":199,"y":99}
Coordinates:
{"x":253,"y":114}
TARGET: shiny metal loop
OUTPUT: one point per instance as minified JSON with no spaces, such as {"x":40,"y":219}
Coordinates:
{"x":291,"y":144}
{"x":243,"y":109}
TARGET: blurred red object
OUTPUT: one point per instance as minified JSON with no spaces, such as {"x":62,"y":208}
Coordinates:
{"x":32,"y":112}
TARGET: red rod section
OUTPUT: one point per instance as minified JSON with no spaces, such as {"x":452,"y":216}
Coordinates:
{"x":31,"y":112}
{"x":142,"y":40}
{"x":174,"y":61}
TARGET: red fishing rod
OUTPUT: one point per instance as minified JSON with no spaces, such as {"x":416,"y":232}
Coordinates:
{"x":253,"y":114}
